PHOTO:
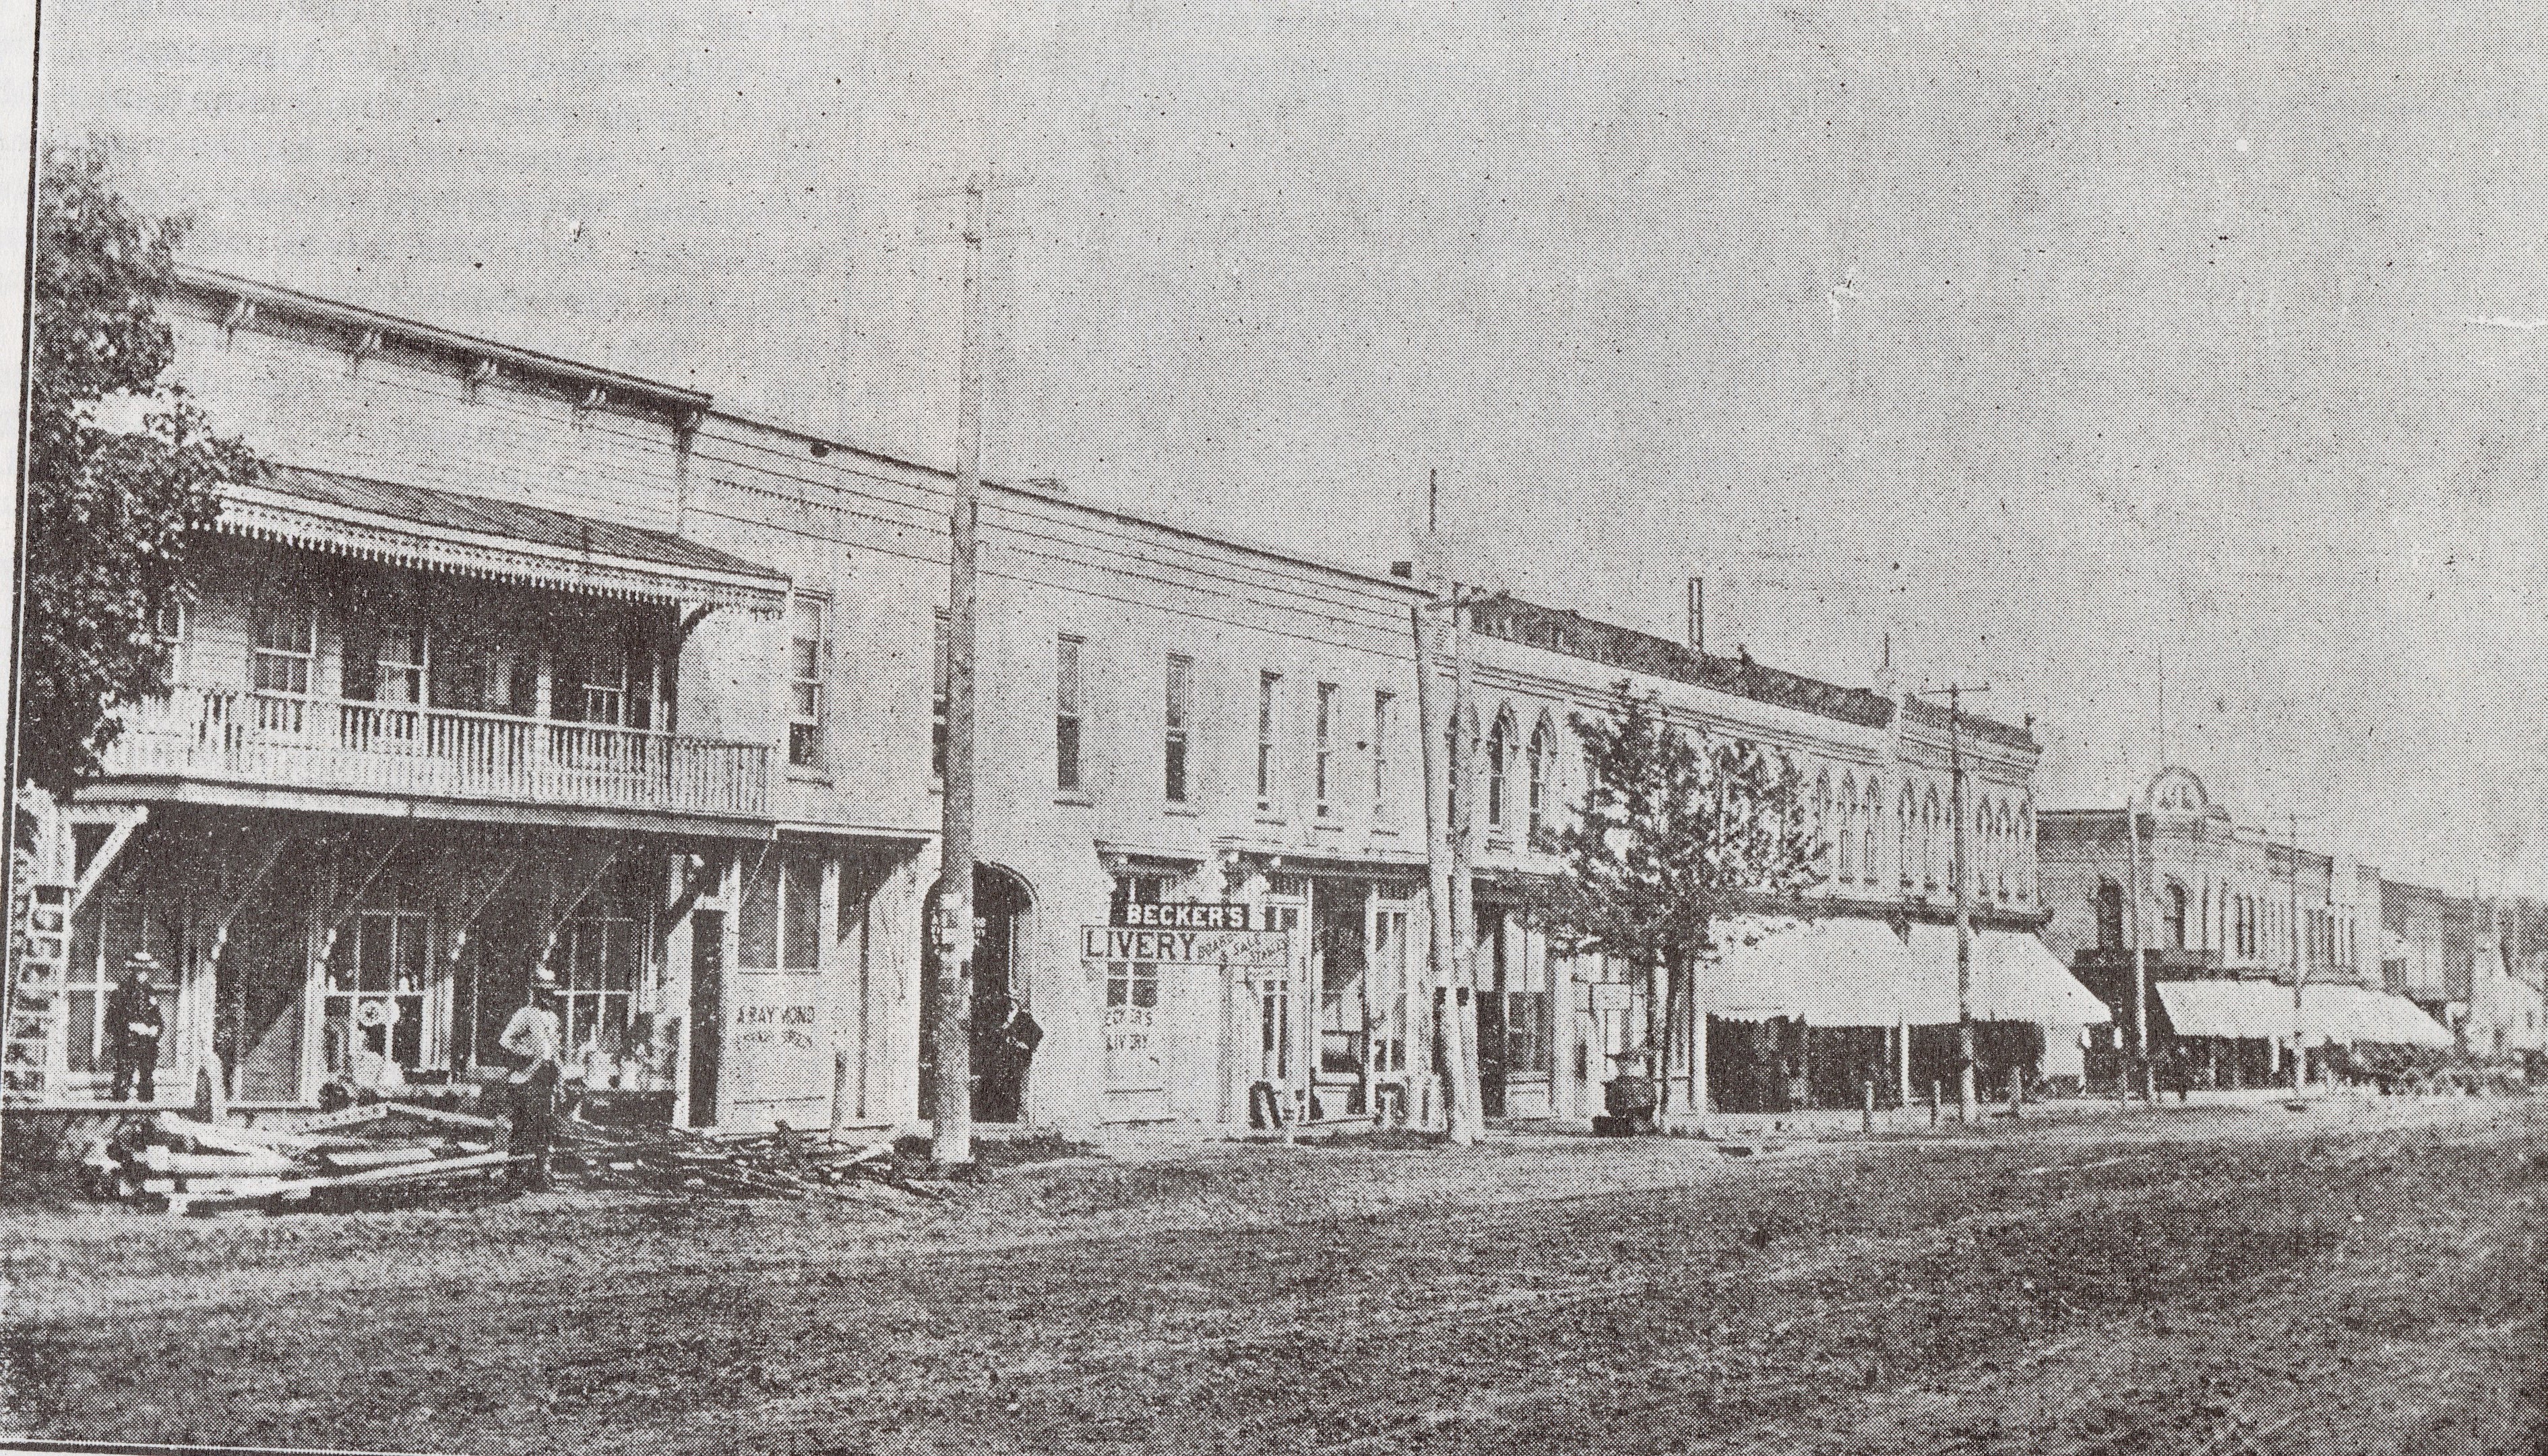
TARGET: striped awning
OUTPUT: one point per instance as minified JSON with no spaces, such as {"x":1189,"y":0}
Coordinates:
{"x":493,"y":540}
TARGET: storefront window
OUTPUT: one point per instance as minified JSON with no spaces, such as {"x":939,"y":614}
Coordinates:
{"x":1132,"y":1026}
{"x":600,"y":988}
{"x":376,"y":989}
{"x":122,"y":922}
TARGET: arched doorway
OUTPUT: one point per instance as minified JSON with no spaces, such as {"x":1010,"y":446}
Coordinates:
{"x":1001,"y":905}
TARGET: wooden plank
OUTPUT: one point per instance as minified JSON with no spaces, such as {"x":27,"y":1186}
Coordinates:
{"x":377,"y":1157}
{"x":223,"y":1138}
{"x":246,"y":1187}
{"x":300,"y":1188}
{"x":344,"y":1118}
{"x":438,"y":1115}
{"x":215,"y":1164}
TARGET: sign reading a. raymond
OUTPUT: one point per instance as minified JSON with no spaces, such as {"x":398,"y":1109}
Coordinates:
{"x":1183,"y":915}
{"x":1248,"y":948}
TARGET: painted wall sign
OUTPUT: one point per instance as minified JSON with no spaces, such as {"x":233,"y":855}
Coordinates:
{"x":1184,"y":915}
{"x":1243,"y":948}
{"x":1611,"y":995}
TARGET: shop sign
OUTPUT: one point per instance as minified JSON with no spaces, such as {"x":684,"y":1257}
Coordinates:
{"x":1235,"y":947}
{"x":1611,"y":995}
{"x":779,"y":1025}
{"x":1184,"y":915}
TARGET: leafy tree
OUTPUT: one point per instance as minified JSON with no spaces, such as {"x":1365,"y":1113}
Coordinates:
{"x":109,"y":507}
{"x":1676,"y":831}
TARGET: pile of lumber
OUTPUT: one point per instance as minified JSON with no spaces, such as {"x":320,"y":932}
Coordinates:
{"x":185,"y":1165}
{"x":784,"y":1163}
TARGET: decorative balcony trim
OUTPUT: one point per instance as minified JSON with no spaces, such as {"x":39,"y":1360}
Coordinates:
{"x":266,"y":513}
{"x":235,"y":736}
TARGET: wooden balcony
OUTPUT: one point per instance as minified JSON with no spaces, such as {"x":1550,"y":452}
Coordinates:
{"x":234,"y":736}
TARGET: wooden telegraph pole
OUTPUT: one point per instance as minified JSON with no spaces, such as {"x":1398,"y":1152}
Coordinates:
{"x":1966,"y":1093}
{"x":2292,"y":934}
{"x":1446,"y":862}
{"x":2141,"y":962}
{"x":951,"y":1093}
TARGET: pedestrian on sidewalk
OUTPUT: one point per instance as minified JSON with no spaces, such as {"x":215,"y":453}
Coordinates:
{"x":534,"y":1034}
{"x":132,"y":1029}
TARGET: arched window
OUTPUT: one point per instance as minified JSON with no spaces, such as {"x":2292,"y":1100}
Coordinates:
{"x":1870,"y":818}
{"x":2007,"y":845}
{"x":2107,"y":910}
{"x":1928,"y":816}
{"x":1823,"y":827}
{"x":1543,"y":767}
{"x":1847,"y":829}
{"x":1910,"y":867}
{"x":2173,"y":914}
{"x":2025,"y":851}
{"x":1498,"y":765}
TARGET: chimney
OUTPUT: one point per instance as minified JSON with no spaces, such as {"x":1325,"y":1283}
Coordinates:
{"x":1699,"y":615}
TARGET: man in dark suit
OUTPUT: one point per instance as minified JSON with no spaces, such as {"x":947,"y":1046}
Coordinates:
{"x":132,"y":1029}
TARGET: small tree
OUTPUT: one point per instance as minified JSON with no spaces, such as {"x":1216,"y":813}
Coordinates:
{"x":1675,"y":831}
{"x":107,"y":510}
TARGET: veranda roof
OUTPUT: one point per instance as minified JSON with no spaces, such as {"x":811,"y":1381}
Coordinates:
{"x":491,"y":539}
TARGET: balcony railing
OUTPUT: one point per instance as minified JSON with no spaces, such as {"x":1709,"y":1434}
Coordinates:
{"x":236,"y":736}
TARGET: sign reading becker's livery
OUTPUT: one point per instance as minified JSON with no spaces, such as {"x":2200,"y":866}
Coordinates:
{"x":1183,"y":915}
{"x":1253,"y":948}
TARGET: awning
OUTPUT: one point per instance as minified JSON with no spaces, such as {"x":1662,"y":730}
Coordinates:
{"x":2262,"y":1010}
{"x":2014,"y":978}
{"x":496,"y":540}
{"x":1841,"y":971}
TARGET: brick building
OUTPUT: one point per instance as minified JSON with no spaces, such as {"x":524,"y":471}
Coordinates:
{"x":2206,"y":899}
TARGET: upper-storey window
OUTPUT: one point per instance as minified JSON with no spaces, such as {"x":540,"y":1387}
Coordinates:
{"x":1383,"y":704}
{"x":1928,"y":816}
{"x":805,"y":684}
{"x":1324,"y":744}
{"x":287,"y":647}
{"x":2107,"y":910}
{"x":1845,"y":860}
{"x":1543,"y":765}
{"x":287,"y":643}
{"x":1065,"y":714}
{"x":1826,"y":831}
{"x":1499,"y":745}
{"x":1179,"y":706}
{"x":606,"y":681}
{"x":1270,"y":690}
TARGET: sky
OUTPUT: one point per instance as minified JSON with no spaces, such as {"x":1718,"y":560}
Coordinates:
{"x":2172,"y":370}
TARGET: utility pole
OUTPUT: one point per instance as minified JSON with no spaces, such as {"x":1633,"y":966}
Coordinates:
{"x":1446,"y":862}
{"x":951,"y":1099}
{"x":1469,"y":1098}
{"x":1966,"y":1094}
{"x":2292,"y":934}
{"x":2140,"y":957}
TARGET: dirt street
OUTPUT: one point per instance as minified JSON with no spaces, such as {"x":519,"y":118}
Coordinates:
{"x":2359,"y":1277}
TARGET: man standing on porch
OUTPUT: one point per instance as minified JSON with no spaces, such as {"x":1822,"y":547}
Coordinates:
{"x":132,"y":1029}
{"x":533,"y":1036}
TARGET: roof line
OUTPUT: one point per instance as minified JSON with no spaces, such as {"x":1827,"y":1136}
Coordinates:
{"x":231,"y":285}
{"x":1072,"y":503}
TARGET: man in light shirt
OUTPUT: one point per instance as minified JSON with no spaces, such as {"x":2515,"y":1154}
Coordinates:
{"x":534,"y":1034}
